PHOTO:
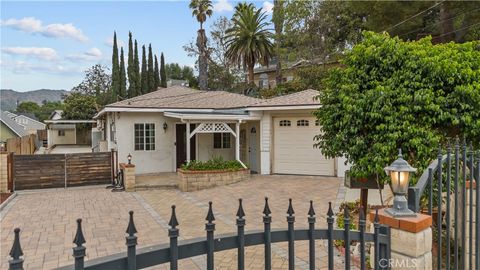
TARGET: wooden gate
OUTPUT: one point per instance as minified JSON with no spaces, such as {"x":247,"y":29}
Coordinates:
{"x":61,"y":170}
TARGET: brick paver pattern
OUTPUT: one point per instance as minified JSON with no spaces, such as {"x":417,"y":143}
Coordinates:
{"x":47,"y":220}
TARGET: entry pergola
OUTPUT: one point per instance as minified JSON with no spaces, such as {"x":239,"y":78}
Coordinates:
{"x":212,"y":123}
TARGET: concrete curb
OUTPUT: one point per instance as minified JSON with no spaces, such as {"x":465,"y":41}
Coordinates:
{"x":10,"y":198}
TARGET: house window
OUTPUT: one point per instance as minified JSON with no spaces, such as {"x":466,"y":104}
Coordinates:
{"x":302,"y":123}
{"x":317,"y":122}
{"x":285,"y":123}
{"x":61,"y":133}
{"x":145,"y":137}
{"x":112,"y":132}
{"x":221,"y":140}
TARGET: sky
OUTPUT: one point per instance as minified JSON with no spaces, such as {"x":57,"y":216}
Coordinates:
{"x":50,"y":44}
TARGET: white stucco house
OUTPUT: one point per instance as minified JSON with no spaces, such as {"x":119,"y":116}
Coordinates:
{"x":165,"y":128}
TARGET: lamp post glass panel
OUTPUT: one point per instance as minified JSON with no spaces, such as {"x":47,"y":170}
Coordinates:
{"x":399,"y":172}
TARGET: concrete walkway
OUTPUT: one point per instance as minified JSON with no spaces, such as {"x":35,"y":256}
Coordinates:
{"x":47,"y":220}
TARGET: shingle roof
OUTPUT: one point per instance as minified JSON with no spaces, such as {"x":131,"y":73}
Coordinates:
{"x":11,"y":124}
{"x":180,"y":97}
{"x":305,"y":97}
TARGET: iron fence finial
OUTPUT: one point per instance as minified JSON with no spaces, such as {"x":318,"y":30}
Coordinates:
{"x":131,"y":230}
{"x":330,"y":211}
{"x":361,"y":215}
{"x":346,"y":213}
{"x":290,"y":211}
{"x":240,"y":212}
{"x":173,"y":219}
{"x":376,"y":219}
{"x":16,"y":250}
{"x":79,"y":239}
{"x":266,"y":208}
{"x":311,"y":211}
{"x":210,"y":217}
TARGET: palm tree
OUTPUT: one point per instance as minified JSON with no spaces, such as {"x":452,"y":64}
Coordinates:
{"x":249,"y":41}
{"x":201,"y":9}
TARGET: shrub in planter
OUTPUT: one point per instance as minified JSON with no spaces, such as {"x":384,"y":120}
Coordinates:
{"x":216,"y":163}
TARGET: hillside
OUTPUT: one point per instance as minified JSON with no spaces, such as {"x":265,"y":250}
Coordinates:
{"x":10,"y":97}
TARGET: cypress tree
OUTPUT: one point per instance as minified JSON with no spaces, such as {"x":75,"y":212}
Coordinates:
{"x":144,"y":72}
{"x":132,"y":84}
{"x":157,"y":74}
{"x":123,"y":77}
{"x":115,"y":70}
{"x":163,"y":74}
{"x":136,"y":62}
{"x":150,"y":70}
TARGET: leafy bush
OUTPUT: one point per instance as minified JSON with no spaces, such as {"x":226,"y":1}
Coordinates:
{"x":216,"y":163}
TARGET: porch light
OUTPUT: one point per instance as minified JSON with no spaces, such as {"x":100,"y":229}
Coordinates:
{"x":165,"y":126}
{"x":129,"y":158}
{"x":2,"y":146}
{"x":399,"y":172}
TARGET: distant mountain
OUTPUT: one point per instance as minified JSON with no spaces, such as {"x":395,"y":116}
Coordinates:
{"x":10,"y":97}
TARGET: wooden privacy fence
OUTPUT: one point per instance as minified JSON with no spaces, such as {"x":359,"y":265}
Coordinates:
{"x":61,"y":170}
{"x":22,"y":145}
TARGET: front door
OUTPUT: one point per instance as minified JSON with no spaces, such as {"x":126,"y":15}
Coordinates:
{"x":252,"y":150}
{"x":181,"y":144}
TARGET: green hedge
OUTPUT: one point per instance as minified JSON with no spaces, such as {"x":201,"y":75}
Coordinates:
{"x":213,"y":164}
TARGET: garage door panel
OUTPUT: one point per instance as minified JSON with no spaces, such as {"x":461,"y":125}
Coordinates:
{"x":294,"y":151}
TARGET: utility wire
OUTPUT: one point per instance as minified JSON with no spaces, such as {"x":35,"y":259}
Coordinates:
{"x":466,"y":27}
{"x":462,"y":13}
{"x":418,"y":14}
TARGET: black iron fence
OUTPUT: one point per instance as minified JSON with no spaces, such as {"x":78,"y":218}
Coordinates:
{"x":443,"y":191}
{"x":176,"y":250}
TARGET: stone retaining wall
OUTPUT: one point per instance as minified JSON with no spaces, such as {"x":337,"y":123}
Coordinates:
{"x":197,"y":180}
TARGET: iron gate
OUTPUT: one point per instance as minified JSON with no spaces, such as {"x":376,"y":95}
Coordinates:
{"x":446,"y":190}
{"x":177,"y":250}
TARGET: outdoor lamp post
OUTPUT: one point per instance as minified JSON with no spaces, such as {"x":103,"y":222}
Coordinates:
{"x":399,"y":172}
{"x":129,"y":157}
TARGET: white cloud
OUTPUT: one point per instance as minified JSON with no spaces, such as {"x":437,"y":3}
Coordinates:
{"x":222,"y":5}
{"x":23,"y":67}
{"x":93,"y":54}
{"x":56,"y":30}
{"x":267,"y":7}
{"x":41,"y":53}
{"x":109,"y":42}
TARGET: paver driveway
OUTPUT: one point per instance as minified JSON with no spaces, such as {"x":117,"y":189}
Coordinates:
{"x":47,"y":219}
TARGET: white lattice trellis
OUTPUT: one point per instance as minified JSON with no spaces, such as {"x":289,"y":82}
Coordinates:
{"x":212,"y":128}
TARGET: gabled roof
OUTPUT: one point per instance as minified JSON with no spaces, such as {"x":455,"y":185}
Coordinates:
{"x":181,"y":97}
{"x":11,"y":124}
{"x":305,"y":97}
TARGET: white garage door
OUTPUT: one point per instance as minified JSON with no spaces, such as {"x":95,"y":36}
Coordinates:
{"x":293,"y":148}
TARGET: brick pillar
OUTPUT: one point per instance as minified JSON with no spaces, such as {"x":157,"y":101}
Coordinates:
{"x":128,"y":176}
{"x":411,"y":241}
{"x":3,"y":172}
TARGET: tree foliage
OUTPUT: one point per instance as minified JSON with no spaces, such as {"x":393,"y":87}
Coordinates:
{"x":97,"y":83}
{"x":79,"y":106}
{"x":391,"y":94}
{"x":116,"y":80}
{"x":163,"y":74}
{"x":42,"y":112}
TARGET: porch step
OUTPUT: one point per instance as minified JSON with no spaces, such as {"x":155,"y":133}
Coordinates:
{"x":156,"y":187}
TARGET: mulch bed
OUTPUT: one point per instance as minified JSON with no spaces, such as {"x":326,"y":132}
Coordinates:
{"x":4,"y":196}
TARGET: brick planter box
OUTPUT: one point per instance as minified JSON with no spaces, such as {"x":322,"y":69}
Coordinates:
{"x":197,"y":180}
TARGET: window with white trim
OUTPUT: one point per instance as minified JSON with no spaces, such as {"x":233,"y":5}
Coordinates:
{"x":285,"y":123}
{"x":221,"y":140}
{"x":302,"y":123}
{"x":61,"y":132}
{"x":144,"y":137}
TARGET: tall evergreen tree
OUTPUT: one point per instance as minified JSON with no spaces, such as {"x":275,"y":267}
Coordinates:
{"x":144,"y":72}
{"x":150,"y":70}
{"x":157,"y":74}
{"x":115,"y":70}
{"x":163,"y":73}
{"x":123,"y":77}
{"x":136,"y":62}
{"x":132,"y":80}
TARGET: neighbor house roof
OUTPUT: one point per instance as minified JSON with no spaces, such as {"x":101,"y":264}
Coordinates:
{"x":11,"y":124}
{"x":180,"y":97}
{"x":305,"y":97}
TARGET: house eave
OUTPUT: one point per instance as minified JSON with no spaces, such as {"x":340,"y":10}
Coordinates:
{"x":284,"y":107}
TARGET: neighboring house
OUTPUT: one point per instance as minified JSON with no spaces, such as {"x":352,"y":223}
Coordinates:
{"x":9,"y":128}
{"x":265,"y":76}
{"x":30,"y":124}
{"x":56,"y":115}
{"x":164,"y":129}
{"x":173,"y":82}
